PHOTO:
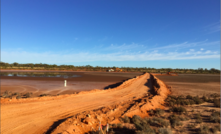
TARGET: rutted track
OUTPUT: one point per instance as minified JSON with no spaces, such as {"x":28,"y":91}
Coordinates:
{"x":36,"y":117}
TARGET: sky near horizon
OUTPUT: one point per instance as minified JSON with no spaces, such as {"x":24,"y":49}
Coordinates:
{"x":122,"y":33}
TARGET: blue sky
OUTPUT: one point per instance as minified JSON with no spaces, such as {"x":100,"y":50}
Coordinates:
{"x":123,"y":33}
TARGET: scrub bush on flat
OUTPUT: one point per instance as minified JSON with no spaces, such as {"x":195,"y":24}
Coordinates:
{"x":203,"y":130}
{"x":174,"y":121}
{"x":189,"y":97}
{"x":126,"y":119}
{"x":146,"y":130}
{"x":18,"y":97}
{"x":165,"y":131}
{"x":198,"y":118}
{"x":158,"y":122}
{"x":179,"y":110}
{"x":216,"y":102}
{"x":27,"y":95}
{"x":215,"y":117}
{"x":197,"y":100}
{"x":213,"y":129}
{"x":136,"y":119}
{"x":119,"y":125}
{"x":114,"y":125}
{"x":204,"y":98}
{"x":159,"y":112}
{"x":215,"y":95}
{"x":151,"y":112}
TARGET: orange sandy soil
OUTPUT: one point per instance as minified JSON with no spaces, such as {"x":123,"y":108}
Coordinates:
{"x":80,"y":113}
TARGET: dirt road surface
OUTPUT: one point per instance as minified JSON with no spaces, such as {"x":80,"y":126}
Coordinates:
{"x":37,"y":117}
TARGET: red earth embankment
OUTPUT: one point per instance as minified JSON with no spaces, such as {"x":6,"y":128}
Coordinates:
{"x":89,"y":120}
{"x":80,"y":113}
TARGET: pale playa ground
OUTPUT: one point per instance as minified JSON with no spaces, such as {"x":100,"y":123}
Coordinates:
{"x":193,"y":84}
{"x":36,"y":117}
{"x":55,"y":85}
{"x":49,"y":87}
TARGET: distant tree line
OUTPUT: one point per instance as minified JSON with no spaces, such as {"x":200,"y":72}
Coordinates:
{"x":41,"y":66}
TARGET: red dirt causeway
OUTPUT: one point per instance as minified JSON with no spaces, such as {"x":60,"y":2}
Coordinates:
{"x":82,"y":112}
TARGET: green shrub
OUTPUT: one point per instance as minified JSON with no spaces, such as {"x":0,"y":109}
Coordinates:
{"x":215,"y":117}
{"x":15,"y":93}
{"x":171,"y":103}
{"x":6,"y":94}
{"x":158,"y":122}
{"x":209,"y":100}
{"x":181,"y":118}
{"x":213,"y":129}
{"x":136,"y":119}
{"x":114,"y":125}
{"x":183,"y":102}
{"x":217,"y":127}
{"x":174,"y":121}
{"x":215,"y":95}
{"x":186,"y":102}
{"x":189,"y":97}
{"x":181,"y":97}
{"x":191,"y":126}
{"x":172,"y":97}
{"x":197,"y":100}
{"x":178,"y":102}
{"x":139,"y":126}
{"x":95,"y":132}
{"x":198,"y":118}
{"x":43,"y":95}
{"x":203,"y":130}
{"x":216,"y":102}
{"x":111,"y":131}
{"x":27,"y":95}
{"x":204,"y":98}
{"x":18,"y":97}
{"x":119,"y":125}
{"x":146,"y":130}
{"x":164,"y":131}
{"x":159,"y":112}
{"x":151,"y":112}
{"x":191,"y":102}
{"x":126,"y":119}
{"x":179,"y":110}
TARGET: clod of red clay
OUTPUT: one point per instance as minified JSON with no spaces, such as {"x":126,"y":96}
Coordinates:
{"x":89,"y":120}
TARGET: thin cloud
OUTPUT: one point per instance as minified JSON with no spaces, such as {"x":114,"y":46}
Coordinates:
{"x":124,"y":47}
{"x":187,"y":45}
{"x":54,"y":58}
{"x":212,"y":28}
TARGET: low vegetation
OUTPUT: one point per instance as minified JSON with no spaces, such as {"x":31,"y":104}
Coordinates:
{"x":15,"y":65}
{"x":173,"y":101}
{"x":180,"y":117}
{"x":10,"y":95}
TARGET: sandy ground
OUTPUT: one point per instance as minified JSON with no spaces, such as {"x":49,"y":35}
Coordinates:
{"x":36,"y":117}
{"x":193,"y":84}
